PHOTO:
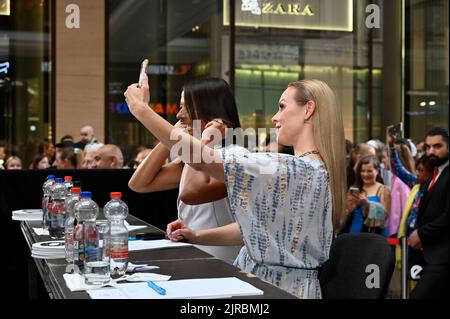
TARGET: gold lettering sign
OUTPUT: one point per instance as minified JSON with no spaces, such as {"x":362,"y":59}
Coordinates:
{"x":5,"y":7}
{"x":291,"y":9}
{"x":332,"y":15}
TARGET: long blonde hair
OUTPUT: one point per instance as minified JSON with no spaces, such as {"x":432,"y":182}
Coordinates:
{"x":406,"y":158}
{"x":328,"y":131}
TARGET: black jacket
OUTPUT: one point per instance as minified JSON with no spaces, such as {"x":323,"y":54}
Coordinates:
{"x":433,"y":222}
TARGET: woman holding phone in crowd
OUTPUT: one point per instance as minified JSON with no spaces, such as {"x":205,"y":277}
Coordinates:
{"x":286,"y":207}
{"x":368,"y":201}
{"x":202,"y":202}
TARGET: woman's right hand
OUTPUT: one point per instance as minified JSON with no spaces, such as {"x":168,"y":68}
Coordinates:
{"x":360,"y":199}
{"x":391,"y":138}
{"x":350,"y":203}
{"x":178,"y":231}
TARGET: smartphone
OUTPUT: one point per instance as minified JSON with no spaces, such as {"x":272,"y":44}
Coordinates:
{"x":354,"y":189}
{"x":143,"y":72}
{"x":396,"y":129}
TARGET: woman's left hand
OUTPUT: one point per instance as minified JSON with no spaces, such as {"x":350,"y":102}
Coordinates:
{"x":214,"y":131}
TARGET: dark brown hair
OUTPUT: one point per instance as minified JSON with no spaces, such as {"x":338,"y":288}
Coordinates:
{"x":211,"y":98}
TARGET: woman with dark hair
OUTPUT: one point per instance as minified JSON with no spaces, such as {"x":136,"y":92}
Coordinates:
{"x":40,"y":161}
{"x":209,"y":99}
{"x":46,"y":148}
{"x":369,"y":201}
{"x":202,"y":201}
{"x":408,"y":224}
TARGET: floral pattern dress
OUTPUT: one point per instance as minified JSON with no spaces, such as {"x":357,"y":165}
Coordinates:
{"x":283,"y":206}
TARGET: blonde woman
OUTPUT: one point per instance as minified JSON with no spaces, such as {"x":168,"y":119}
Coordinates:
{"x":13,"y":163}
{"x":286,"y":207}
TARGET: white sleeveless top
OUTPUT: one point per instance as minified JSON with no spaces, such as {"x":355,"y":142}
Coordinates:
{"x":205,"y":216}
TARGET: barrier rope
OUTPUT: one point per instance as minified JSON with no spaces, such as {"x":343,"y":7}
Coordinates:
{"x":395,"y":241}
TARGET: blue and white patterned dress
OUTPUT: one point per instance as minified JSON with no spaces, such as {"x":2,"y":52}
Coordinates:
{"x":283,"y":206}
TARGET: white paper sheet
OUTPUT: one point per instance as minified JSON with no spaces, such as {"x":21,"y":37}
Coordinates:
{"x":136,"y":227}
{"x":135,"y":245}
{"x":107,"y":294}
{"x":41,"y":231}
{"x":182,"y":289}
{"x":75,"y":282}
{"x":140,"y":267}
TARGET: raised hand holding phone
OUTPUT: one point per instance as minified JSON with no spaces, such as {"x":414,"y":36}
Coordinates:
{"x":394,"y":132}
{"x":137,"y":95}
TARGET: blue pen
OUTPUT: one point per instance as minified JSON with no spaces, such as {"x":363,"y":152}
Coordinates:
{"x":148,"y":236}
{"x":155,"y":287}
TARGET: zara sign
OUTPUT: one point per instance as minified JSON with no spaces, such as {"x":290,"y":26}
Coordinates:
{"x":331,"y":15}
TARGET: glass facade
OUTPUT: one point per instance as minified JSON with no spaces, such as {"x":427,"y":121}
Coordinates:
{"x":336,"y":51}
{"x":279,"y":43}
{"x":182,"y":40}
{"x":25,"y":75}
{"x":426,"y":84}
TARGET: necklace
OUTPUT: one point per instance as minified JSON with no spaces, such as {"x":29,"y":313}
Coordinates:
{"x":315,"y":152}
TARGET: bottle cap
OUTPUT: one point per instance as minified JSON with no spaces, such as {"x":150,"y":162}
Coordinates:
{"x":86,"y":194}
{"x":116,"y":195}
{"x":59,"y":180}
{"x":75,"y":190}
{"x":50,"y":177}
{"x":67,"y":178}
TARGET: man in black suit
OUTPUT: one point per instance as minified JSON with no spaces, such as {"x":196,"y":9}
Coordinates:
{"x":432,"y":225}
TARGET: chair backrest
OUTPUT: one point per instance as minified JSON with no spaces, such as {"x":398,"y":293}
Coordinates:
{"x":360,"y":267}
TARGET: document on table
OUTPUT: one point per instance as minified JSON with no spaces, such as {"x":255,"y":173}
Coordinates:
{"x":41,"y":231}
{"x":180,"y":289}
{"x":135,"y":245}
{"x":134,"y":227}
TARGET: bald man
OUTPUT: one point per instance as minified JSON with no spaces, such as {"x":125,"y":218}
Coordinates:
{"x":87,"y":137}
{"x":108,"y":156}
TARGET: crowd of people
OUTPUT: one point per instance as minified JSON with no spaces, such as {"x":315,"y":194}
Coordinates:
{"x":276,"y":213}
{"x":87,"y":153}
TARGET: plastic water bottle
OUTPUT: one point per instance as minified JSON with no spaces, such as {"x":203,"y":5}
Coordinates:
{"x":69,"y":206}
{"x":116,"y":211}
{"x":68,"y":184}
{"x":46,"y":190}
{"x":87,"y":246}
{"x":56,"y":213}
{"x":85,"y":210}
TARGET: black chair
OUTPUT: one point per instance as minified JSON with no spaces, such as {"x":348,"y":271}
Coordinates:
{"x":360,"y":267}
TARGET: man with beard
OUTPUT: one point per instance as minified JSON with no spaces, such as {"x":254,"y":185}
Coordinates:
{"x":432,"y":233}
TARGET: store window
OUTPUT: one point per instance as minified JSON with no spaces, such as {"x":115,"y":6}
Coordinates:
{"x":281,"y":41}
{"x":182,"y":39}
{"x":276,"y":42}
{"x":426,"y":85}
{"x":25,"y":69}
